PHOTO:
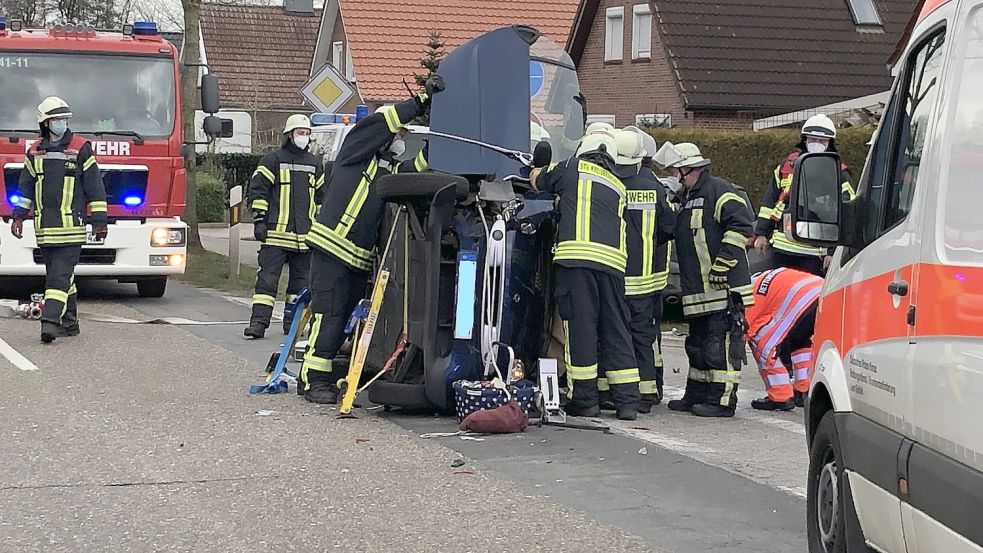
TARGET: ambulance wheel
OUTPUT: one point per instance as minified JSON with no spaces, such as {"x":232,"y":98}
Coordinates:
{"x":152,"y":287}
{"x":415,"y":186}
{"x":826,"y":493}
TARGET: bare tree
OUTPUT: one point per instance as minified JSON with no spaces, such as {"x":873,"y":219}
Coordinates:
{"x":189,"y":89}
{"x":32,"y":12}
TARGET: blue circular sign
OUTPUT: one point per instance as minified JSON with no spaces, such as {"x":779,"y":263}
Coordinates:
{"x":537,"y":76}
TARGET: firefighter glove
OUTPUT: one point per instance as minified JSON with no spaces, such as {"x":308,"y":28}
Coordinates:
{"x":100,"y":225}
{"x":718,"y":274}
{"x":259,"y":225}
{"x":17,"y":227}
{"x":434,"y":85}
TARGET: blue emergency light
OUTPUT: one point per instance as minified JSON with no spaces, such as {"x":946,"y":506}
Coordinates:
{"x":361,"y":111}
{"x":330,"y":118}
{"x":3,"y":23}
{"x":144,"y":28}
{"x":14,"y":199}
{"x":132,"y":201}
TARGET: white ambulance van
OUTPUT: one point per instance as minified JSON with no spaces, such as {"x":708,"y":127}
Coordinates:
{"x":895,"y":415}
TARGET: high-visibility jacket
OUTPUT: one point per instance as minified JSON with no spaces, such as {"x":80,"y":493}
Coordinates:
{"x":775,"y":203}
{"x":61,"y":182}
{"x":649,"y":220}
{"x":781,"y":296}
{"x":287,"y":186}
{"x":591,"y":233}
{"x":711,"y":231}
{"x":347,"y":224}
{"x":663,"y":252}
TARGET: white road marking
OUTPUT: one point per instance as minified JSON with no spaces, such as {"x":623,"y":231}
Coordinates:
{"x":14,"y":356}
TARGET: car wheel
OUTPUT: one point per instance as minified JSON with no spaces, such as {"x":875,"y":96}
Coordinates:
{"x":414,"y":186}
{"x":825,"y":501}
{"x":152,"y":288}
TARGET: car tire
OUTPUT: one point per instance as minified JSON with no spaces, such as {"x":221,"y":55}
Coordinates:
{"x":415,"y":186}
{"x":407,"y":396}
{"x":152,"y":288}
{"x":825,"y":498}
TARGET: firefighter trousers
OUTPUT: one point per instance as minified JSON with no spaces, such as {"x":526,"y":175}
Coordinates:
{"x":715,"y":347}
{"x":595,"y":318}
{"x":336,"y":289}
{"x":271,"y":262}
{"x":60,"y":296}
{"x":644,"y":335}
{"x":657,"y":320}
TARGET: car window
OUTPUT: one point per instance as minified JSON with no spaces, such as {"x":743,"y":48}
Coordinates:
{"x":323,"y":143}
{"x":962,"y":224}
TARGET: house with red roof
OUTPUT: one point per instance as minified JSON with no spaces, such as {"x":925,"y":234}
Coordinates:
{"x":376,"y":44}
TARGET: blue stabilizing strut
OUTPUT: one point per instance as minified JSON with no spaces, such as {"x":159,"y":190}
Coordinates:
{"x":360,"y":314}
{"x":274,"y":384}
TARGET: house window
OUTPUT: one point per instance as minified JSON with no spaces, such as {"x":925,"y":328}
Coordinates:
{"x":609,"y":119}
{"x":349,"y":66}
{"x":864,"y":12}
{"x":337,"y":51}
{"x":641,"y":32}
{"x":614,"y":34}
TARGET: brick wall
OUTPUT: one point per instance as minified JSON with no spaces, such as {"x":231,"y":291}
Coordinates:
{"x":628,"y":87}
{"x":723,"y":120}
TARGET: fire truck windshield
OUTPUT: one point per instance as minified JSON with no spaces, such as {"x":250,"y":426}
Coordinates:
{"x":105,"y":92}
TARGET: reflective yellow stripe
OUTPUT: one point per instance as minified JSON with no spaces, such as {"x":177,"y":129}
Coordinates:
{"x":582,"y":373}
{"x":648,"y":387}
{"x":392,"y":119}
{"x":765,"y":212}
{"x":700,"y":243}
{"x":72,"y":290}
{"x":67,"y":196}
{"x":283,"y":210}
{"x":699,"y":375}
{"x":780,"y":242}
{"x":623,"y":376}
{"x":722,"y":265}
{"x":89,"y":163}
{"x":56,"y":295}
{"x":420,"y":163}
{"x":311,"y":207}
{"x":602,"y":173}
{"x":584,"y":189}
{"x":723,"y":199}
{"x":319,"y":182}
{"x":329,"y":241}
{"x":263,"y":299}
{"x":725,"y":376}
{"x":641,"y":285}
{"x":573,"y":250}
{"x":648,"y":242}
{"x":602,"y":384}
{"x":29,"y":164}
{"x":847,"y":188}
{"x":747,"y":294}
{"x":735,"y":238}
{"x":23,"y":203}
{"x":355,"y":204}
{"x":98,"y":207}
{"x":262,"y":170}
{"x":261,"y":205}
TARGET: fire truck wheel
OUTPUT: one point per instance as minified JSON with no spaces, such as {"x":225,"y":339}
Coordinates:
{"x":152,"y":288}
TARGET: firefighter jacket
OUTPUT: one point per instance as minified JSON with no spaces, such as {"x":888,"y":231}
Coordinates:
{"x":648,"y":218}
{"x":591,"y":233}
{"x":287,"y":186}
{"x":711,"y":231}
{"x":61,"y":181}
{"x":775,"y":202}
{"x":781,"y":297}
{"x":663,"y":250}
{"x":347,"y":224}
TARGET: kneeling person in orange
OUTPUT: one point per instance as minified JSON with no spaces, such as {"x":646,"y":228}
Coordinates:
{"x":780,"y":328}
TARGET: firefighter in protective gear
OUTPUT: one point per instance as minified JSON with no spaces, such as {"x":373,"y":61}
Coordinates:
{"x":284,"y":193}
{"x":344,"y":235}
{"x":711,"y":230}
{"x":818,"y":135}
{"x":649,"y":222}
{"x":780,"y":328}
{"x":591,"y":258}
{"x":61,"y":182}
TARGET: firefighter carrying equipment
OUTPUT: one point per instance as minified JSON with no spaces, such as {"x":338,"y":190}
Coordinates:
{"x":782,"y":298}
{"x":711,"y":231}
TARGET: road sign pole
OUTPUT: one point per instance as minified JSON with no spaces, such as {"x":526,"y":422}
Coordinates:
{"x":235,"y":215}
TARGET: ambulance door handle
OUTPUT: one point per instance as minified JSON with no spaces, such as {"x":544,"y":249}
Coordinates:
{"x":898,"y":288}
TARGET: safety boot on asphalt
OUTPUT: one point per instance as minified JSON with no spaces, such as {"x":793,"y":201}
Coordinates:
{"x":583,"y":412}
{"x":321,"y":388}
{"x":680,"y":405}
{"x":627,"y":414}
{"x":50,"y":331}
{"x":647,"y":402}
{"x":767,"y":404}
{"x":800,"y":399}
{"x":712,"y":410}
{"x":254,"y":331}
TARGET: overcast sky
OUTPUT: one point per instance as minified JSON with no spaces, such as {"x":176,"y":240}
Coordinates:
{"x":169,"y":15}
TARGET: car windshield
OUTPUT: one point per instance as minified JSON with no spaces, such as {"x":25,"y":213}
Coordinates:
{"x":105,"y":92}
{"x":554,"y":91}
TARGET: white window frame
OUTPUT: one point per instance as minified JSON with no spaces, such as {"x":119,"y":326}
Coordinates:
{"x":600,"y":118}
{"x":614,"y":34}
{"x":864,"y":13}
{"x":349,"y":66}
{"x":640,"y":48}
{"x":337,"y":55}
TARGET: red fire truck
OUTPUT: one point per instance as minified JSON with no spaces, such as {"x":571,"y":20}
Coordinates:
{"x":124,"y":90}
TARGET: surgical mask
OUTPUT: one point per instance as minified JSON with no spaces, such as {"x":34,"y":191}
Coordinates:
{"x":301,"y":141}
{"x":398,"y":147}
{"x":58,"y":127}
{"x":673,"y":183}
{"x":815,"y":147}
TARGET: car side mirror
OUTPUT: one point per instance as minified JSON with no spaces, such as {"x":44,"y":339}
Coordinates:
{"x":816,"y":210}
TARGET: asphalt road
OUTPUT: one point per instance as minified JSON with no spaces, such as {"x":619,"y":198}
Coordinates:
{"x":136,"y":437}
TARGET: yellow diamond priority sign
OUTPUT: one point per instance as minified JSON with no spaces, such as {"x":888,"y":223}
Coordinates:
{"x":327,"y":90}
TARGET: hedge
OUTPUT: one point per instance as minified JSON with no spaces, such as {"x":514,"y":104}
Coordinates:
{"x":749,"y":158}
{"x":212,"y":197}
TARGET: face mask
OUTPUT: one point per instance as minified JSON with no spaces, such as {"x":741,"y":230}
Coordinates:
{"x":398,"y":147}
{"x":301,"y":141}
{"x":673,"y":184}
{"x":815,"y":147}
{"x":58,"y":127}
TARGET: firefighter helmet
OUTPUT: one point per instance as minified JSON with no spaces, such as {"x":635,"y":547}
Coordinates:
{"x":598,"y":142}
{"x":819,"y":126}
{"x":681,"y":156}
{"x":599,"y":127}
{"x":631,"y":150}
{"x":297,"y":121}
{"x":53,"y":107}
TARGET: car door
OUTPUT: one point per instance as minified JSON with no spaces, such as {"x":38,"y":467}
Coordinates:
{"x":880,"y":274}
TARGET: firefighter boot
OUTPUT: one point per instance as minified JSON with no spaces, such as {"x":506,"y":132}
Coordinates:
{"x":627,"y":413}
{"x":767,"y":404}
{"x":254,"y":330}
{"x":800,"y":399}
{"x":71,"y":326}
{"x":712,"y":410}
{"x":605,"y":402}
{"x":50,"y":331}
{"x":680,"y":405}
{"x":321,"y":388}
{"x":647,"y":402}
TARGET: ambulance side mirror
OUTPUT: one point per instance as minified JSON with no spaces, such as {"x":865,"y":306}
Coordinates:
{"x":816,"y":210}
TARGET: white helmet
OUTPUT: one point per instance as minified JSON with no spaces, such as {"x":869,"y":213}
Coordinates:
{"x":631,"y":150}
{"x":819,"y":126}
{"x":53,"y":107}
{"x":297,"y":121}
{"x":679,"y":156}
{"x":599,"y":126}
{"x":537,"y":133}
{"x":647,"y":141}
{"x":598,"y":142}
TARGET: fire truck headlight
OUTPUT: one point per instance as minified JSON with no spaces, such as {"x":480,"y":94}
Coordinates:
{"x":167,"y":237}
